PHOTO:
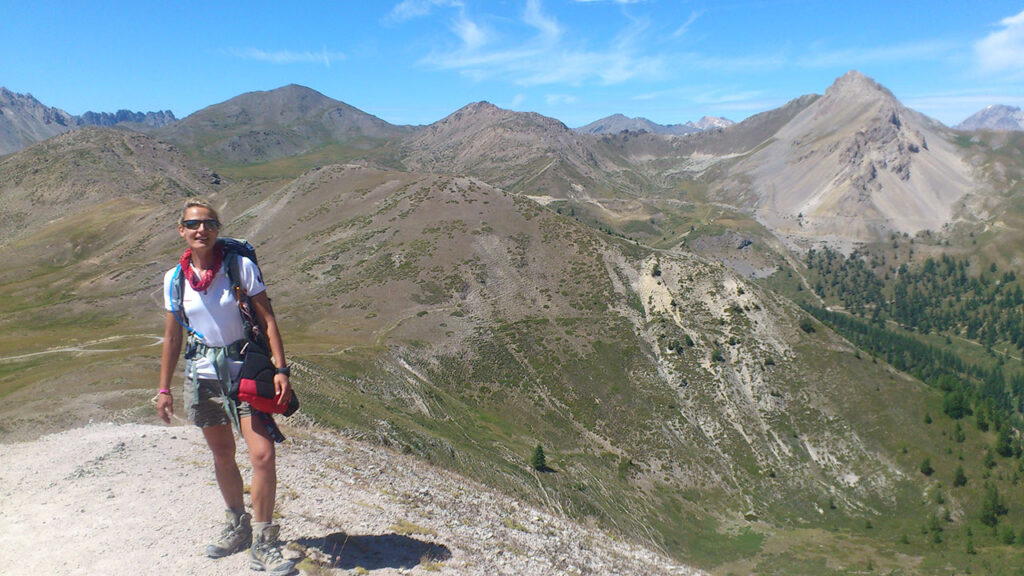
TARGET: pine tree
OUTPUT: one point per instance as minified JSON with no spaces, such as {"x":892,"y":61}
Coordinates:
{"x":954,"y":404}
{"x":806,"y":325}
{"x":989,"y":461}
{"x":991,"y":506}
{"x":1003,"y":445}
{"x":926,"y":467}
{"x":958,"y":433}
{"x":959,"y":478}
{"x":538,"y":461}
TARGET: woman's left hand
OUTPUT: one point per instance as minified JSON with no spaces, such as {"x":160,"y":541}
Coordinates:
{"x":282,"y":389}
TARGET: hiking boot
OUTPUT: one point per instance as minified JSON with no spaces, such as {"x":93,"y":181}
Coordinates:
{"x":265,"y":554}
{"x":235,"y":537}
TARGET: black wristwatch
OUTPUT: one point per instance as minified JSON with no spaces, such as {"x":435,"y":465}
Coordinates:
{"x":286,"y":370}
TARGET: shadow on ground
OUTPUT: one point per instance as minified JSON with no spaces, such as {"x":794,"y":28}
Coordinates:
{"x":372,"y":552}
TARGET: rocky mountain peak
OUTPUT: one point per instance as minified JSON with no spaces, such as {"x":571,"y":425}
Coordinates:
{"x":620,"y":123}
{"x":481,"y":106}
{"x":996,"y":117}
{"x":24,"y":121}
{"x":711,"y":122}
{"x":265,"y":125}
{"x":482,"y":111}
{"x":857,"y":164}
{"x":152,"y":119}
{"x":26,"y":104}
{"x":483,"y":115}
{"x":8,"y":98}
{"x":286,"y":104}
{"x":853,"y":84}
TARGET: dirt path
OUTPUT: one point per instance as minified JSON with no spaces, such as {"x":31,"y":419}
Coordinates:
{"x":88,"y":347}
{"x":139,"y":499}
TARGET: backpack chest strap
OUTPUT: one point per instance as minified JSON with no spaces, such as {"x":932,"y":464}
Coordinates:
{"x":195,"y":347}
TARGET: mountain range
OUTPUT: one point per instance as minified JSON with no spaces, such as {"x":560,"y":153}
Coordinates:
{"x":466,"y":290}
{"x":618,"y":123}
{"x":25,"y":121}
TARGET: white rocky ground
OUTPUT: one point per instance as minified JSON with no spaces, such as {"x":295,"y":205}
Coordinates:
{"x":133,"y":499}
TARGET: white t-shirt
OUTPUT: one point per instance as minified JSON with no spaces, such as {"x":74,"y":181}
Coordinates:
{"x":213,"y":313}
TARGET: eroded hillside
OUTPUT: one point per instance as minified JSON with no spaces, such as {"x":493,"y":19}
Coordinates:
{"x":468,"y":324}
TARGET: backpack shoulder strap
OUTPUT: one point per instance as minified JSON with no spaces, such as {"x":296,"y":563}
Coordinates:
{"x":177,"y":297}
{"x":234,"y":249}
{"x":238,"y":246}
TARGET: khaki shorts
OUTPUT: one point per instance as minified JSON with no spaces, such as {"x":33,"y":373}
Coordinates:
{"x":210,"y":410}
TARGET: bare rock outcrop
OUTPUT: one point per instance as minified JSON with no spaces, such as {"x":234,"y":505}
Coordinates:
{"x":855,"y":166}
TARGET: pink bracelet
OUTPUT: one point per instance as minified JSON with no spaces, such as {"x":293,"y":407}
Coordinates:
{"x":164,"y":391}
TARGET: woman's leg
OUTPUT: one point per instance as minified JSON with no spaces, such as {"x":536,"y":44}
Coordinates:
{"x":221,"y":441}
{"x":263,"y":489}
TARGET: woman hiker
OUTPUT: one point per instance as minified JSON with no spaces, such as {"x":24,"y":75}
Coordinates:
{"x":210,"y":311}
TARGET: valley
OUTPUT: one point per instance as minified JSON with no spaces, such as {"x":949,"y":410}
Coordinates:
{"x":666,"y":314}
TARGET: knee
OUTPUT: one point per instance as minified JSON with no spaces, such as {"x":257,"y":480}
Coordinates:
{"x":223,"y":454}
{"x":262,"y":459}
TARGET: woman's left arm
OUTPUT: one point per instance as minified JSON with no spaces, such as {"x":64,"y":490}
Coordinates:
{"x":265,"y":312}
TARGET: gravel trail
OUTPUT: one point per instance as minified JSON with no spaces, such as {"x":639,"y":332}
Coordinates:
{"x":134,"y":499}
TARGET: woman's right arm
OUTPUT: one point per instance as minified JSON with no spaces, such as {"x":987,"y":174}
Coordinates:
{"x":168,"y":361}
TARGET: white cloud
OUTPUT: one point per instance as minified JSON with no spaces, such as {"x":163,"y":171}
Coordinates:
{"x":535,"y":17}
{"x":975,"y":101}
{"x":324,"y":57}
{"x":814,"y":58}
{"x":410,"y":9}
{"x":1003,"y":50}
{"x":545,"y":57}
{"x":708,"y":96}
{"x":682,"y":30}
{"x":729,"y":97}
{"x":736,"y":64}
{"x":536,"y":66}
{"x":473,"y":35}
{"x":556,"y":99}
{"x":854,"y":57}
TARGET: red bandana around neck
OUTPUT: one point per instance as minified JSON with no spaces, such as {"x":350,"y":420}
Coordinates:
{"x":199,"y":284}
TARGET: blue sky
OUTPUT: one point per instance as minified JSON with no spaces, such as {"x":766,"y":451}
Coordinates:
{"x":416,"y":61}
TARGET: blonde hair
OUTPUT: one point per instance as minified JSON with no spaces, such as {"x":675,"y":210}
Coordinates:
{"x":194,"y":203}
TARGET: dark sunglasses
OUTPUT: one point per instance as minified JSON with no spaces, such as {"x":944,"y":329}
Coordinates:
{"x":210,"y":224}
